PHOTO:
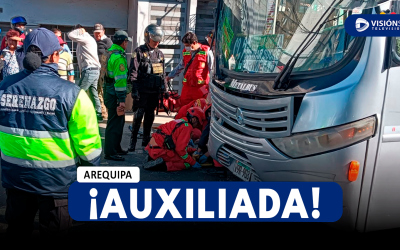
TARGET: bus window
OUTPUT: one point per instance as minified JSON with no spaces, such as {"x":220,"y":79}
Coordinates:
{"x":259,"y":36}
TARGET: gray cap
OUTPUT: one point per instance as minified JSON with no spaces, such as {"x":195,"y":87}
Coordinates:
{"x":98,"y":27}
{"x":121,"y":35}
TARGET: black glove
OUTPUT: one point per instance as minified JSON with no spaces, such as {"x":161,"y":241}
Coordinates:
{"x":135,"y":95}
{"x":166,"y":95}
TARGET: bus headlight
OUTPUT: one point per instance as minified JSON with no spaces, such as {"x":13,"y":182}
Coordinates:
{"x":328,"y":139}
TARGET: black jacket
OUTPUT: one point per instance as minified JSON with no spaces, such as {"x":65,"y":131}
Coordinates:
{"x":103,"y":45}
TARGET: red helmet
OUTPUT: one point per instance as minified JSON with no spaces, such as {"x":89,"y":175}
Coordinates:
{"x":197,"y":112}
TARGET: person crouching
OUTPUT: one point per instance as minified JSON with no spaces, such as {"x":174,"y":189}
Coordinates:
{"x":168,"y":147}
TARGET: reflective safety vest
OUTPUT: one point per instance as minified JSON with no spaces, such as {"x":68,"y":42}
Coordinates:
{"x":115,"y":71}
{"x":48,"y":127}
{"x":198,"y":73}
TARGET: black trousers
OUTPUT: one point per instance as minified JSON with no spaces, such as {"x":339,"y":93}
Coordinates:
{"x":144,"y":108}
{"x":22,"y":207}
{"x":115,"y":126}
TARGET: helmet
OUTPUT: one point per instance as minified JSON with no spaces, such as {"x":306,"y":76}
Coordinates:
{"x":154,"y":32}
{"x":18,"y":19}
{"x":196,"y":112}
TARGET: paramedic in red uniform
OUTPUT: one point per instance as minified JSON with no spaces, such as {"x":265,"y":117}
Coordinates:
{"x":160,"y":157}
{"x":201,"y":103}
{"x":197,"y":72}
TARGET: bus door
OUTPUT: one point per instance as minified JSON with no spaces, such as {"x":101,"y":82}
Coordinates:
{"x":384,"y":201}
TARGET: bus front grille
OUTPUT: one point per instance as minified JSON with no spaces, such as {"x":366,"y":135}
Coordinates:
{"x":258,"y":118}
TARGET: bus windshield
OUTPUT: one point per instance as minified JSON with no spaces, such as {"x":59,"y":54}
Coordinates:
{"x":259,"y":36}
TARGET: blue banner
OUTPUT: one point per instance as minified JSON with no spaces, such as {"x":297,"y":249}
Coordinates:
{"x":373,"y":25}
{"x":206,"y":201}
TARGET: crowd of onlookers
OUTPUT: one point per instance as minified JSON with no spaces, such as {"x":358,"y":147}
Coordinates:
{"x":88,"y":51}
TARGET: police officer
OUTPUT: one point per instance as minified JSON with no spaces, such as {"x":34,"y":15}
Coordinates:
{"x":48,"y":128}
{"x":114,"y":96}
{"x":146,"y":74}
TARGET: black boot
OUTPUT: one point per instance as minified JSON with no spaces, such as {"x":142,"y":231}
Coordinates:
{"x":137,"y":121}
{"x":132,"y":144}
{"x":147,"y":123}
{"x":145,"y":140}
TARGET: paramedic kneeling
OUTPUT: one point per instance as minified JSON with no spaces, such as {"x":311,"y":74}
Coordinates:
{"x":168,"y":148}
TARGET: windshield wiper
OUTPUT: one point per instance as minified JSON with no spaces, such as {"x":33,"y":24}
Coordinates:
{"x":282,"y":80}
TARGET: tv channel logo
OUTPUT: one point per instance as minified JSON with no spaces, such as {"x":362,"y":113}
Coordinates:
{"x":361,"y":24}
{"x":373,"y":25}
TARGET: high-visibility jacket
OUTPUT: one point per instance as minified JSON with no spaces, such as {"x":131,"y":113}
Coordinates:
{"x":48,"y":127}
{"x":117,"y":73}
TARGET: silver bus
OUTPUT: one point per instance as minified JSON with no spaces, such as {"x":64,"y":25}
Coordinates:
{"x":295,"y":98}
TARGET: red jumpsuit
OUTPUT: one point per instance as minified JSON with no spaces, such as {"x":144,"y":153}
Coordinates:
{"x":201,"y":103}
{"x":197,"y":77}
{"x":179,"y":158}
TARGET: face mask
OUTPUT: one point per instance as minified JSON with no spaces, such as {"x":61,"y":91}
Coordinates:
{"x":188,"y":48}
{"x":20,"y":29}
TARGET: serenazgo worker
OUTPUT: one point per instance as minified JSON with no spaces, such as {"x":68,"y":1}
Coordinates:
{"x":48,"y":127}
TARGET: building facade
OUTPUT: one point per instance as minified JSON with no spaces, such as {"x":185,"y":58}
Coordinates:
{"x":175,"y":16}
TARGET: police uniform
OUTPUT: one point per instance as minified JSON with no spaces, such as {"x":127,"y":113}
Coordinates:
{"x":147,"y":76}
{"x":114,"y":94}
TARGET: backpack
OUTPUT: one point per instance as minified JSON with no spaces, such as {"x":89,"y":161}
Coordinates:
{"x":104,"y":62}
{"x":168,"y":140}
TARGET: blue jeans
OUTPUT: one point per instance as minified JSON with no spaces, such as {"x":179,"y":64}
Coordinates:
{"x":88,"y":81}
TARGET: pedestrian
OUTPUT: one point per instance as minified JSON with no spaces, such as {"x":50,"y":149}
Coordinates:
{"x":11,"y":56}
{"x":147,"y":76}
{"x":49,"y":132}
{"x":65,"y":64}
{"x":57,"y":32}
{"x":197,"y":64}
{"x":18,"y":24}
{"x":103,"y":42}
{"x":209,"y":39}
{"x":168,"y":148}
{"x":114,"y":96}
{"x":89,"y":65}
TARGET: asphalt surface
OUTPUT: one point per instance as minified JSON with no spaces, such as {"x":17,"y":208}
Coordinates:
{"x":225,"y":232}
{"x":132,"y":159}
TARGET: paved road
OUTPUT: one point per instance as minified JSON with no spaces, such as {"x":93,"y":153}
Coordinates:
{"x":226,"y":232}
{"x":135,"y":159}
